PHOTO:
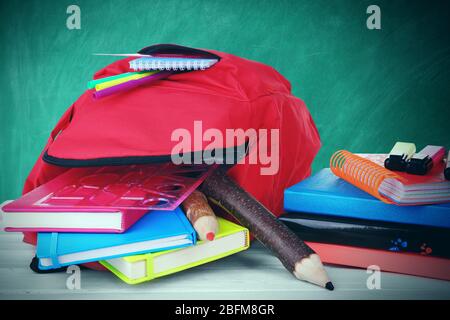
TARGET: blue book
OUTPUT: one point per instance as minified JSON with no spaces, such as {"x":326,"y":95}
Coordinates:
{"x":326,"y":194}
{"x":155,"y":231}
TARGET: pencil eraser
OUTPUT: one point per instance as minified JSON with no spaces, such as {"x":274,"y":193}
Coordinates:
{"x":422,"y":162}
{"x":210,"y":236}
{"x":399,"y":156}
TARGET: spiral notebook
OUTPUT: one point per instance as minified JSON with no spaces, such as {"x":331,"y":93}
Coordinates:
{"x":366,"y":172}
{"x":171,"y":63}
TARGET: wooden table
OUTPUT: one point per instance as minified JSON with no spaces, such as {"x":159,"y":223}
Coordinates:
{"x":252,"y":274}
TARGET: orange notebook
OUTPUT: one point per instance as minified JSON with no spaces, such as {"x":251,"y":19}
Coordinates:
{"x":405,"y":263}
{"x":366,"y":172}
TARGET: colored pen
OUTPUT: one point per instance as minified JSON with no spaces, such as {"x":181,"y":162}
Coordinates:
{"x":114,"y":82}
{"x":132,"y":84}
{"x":91,"y":84}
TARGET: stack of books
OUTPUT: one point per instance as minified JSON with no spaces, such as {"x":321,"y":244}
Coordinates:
{"x":128,"y":218}
{"x":355,"y":219}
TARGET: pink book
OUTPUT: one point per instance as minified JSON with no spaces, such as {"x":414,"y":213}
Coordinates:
{"x":102,"y":199}
{"x":406,"y":263}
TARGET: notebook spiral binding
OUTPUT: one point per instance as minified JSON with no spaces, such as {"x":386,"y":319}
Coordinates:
{"x":172,"y":64}
{"x":361,"y":172}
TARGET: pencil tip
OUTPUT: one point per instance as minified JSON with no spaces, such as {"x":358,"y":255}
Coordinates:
{"x":329,"y":286}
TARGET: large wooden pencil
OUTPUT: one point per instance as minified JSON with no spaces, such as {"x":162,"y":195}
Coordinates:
{"x":295,"y":255}
{"x":201,"y":215}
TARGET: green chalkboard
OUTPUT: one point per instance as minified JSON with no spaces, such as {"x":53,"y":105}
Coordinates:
{"x":365,"y":88}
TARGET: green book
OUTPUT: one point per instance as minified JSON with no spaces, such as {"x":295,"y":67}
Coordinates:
{"x":231,"y":239}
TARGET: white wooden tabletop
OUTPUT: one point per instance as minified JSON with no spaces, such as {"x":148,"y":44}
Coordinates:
{"x":252,"y":274}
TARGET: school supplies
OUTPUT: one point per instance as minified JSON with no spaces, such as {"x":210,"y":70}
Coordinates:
{"x":404,"y":263}
{"x":110,"y":198}
{"x":173,"y":64}
{"x":135,"y":127}
{"x":92,"y":83}
{"x":447,"y":167}
{"x":326,"y":194}
{"x":201,"y":215}
{"x":421,"y":162}
{"x":297,"y":258}
{"x":130,"y":84}
{"x":347,"y":226}
{"x":395,"y":237}
{"x":114,"y":82}
{"x":399,"y":156}
{"x":367,"y":173}
{"x":231,"y":239}
{"x":156,"y":231}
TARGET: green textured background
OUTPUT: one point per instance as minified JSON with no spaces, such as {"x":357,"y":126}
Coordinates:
{"x":365,"y":88}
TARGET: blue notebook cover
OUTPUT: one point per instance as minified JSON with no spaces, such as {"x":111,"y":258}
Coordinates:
{"x":155,"y":231}
{"x":324,"y":193}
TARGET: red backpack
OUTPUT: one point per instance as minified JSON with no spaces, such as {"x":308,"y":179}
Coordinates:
{"x":136,"y":126}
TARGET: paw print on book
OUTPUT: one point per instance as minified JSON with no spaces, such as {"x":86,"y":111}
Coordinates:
{"x":425,"y":249}
{"x":398,"y":245}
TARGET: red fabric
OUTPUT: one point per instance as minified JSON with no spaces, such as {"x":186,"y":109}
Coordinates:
{"x":234,"y":93}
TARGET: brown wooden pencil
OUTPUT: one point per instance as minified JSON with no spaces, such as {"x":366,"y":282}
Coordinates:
{"x":295,"y":255}
{"x":201,"y":215}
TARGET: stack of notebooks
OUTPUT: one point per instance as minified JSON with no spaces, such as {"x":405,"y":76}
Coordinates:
{"x":125,"y":217}
{"x":360,"y":224}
